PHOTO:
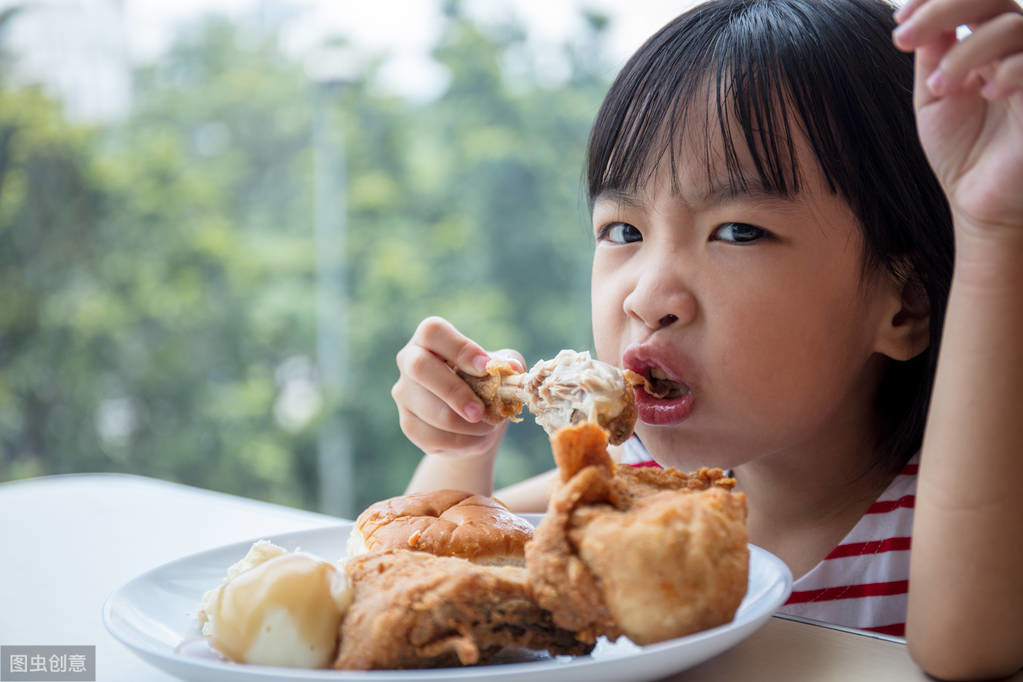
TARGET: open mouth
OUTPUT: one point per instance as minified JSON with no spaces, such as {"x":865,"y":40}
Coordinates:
{"x":659,"y":385}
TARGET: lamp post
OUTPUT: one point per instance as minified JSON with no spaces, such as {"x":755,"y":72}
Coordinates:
{"x":329,"y":71}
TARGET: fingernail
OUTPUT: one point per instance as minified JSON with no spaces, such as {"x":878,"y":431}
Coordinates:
{"x":473,"y":412}
{"x":480,"y":363}
{"x":507,"y":357}
{"x":936,"y":82}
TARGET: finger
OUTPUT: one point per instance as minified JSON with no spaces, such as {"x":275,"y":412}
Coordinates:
{"x":926,"y":61}
{"x":999,"y":38}
{"x":933,"y":19}
{"x":421,"y":366}
{"x":434,"y":441}
{"x":428,"y":407}
{"x":440,"y":337}
{"x":512,"y":357}
{"x":906,"y":11}
{"x":1007,"y":79}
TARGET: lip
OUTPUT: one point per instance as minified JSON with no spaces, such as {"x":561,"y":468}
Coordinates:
{"x":662,"y":412}
{"x":652,"y":410}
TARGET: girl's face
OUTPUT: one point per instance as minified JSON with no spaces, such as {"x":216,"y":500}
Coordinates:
{"x":755,"y":307}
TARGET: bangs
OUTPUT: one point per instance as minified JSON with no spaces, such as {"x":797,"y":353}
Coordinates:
{"x":750,"y":68}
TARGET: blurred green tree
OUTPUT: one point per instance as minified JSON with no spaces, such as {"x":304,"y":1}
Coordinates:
{"x":157,"y":275}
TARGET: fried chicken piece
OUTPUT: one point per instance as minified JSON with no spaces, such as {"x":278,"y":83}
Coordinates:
{"x":643,"y":481}
{"x":414,"y":610}
{"x":652,"y":554}
{"x":684,"y":564}
{"x":559,"y":578}
{"x":570,"y":389}
{"x":501,"y":401}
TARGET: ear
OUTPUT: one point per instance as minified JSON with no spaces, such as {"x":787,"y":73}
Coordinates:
{"x":904,"y":330}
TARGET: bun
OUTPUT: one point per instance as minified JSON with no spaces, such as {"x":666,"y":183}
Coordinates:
{"x":444,"y":523}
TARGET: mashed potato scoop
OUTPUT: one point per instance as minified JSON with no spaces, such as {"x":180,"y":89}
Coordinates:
{"x":277,"y":608}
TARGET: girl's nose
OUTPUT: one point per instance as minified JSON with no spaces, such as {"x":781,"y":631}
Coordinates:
{"x":659,"y":301}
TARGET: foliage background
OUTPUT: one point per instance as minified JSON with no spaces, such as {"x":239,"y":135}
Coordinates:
{"x":158,"y":274}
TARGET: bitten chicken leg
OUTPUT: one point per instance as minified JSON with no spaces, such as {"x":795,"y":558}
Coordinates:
{"x":570,"y":389}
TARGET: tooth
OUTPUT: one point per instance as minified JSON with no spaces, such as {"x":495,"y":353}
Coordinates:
{"x":658,"y":373}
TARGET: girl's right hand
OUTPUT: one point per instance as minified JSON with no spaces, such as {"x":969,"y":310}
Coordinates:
{"x":437,"y":410}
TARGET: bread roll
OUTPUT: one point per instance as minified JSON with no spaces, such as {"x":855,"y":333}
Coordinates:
{"x":445,"y":523}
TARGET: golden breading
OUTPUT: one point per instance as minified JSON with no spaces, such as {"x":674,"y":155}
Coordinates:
{"x":641,"y":481}
{"x":560,"y":580}
{"x":499,"y":405}
{"x":576,"y":448}
{"x":647,"y":553}
{"x":414,"y":610}
{"x":672,"y":564}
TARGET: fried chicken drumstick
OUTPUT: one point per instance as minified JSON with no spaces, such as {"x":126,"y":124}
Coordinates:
{"x":570,"y":389}
{"x":652,"y":554}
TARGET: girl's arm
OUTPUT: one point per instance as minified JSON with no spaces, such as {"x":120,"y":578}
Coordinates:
{"x":477,"y":476}
{"x":965,"y":617}
{"x":437,"y":472}
{"x":528,"y":496}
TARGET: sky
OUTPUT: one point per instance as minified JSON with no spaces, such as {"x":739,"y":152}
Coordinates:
{"x":81,"y":48}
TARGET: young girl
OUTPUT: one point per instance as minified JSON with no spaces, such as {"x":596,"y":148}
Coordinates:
{"x":777,"y":232}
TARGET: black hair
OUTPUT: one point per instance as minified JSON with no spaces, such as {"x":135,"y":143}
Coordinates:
{"x":832,"y":65}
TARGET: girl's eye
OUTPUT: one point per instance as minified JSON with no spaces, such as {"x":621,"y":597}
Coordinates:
{"x":739,"y":233}
{"x":619,"y":233}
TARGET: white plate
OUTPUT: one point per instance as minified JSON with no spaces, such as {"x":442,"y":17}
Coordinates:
{"x":154,"y":615}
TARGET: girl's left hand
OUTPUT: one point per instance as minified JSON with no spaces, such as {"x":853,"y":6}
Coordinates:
{"x":968,"y":97}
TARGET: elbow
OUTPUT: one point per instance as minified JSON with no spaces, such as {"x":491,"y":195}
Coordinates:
{"x":964,"y":658}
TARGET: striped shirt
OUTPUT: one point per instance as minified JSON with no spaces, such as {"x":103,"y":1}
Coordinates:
{"x":864,"y":582}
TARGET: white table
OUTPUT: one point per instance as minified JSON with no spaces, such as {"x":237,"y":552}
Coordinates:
{"x":69,"y":541}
